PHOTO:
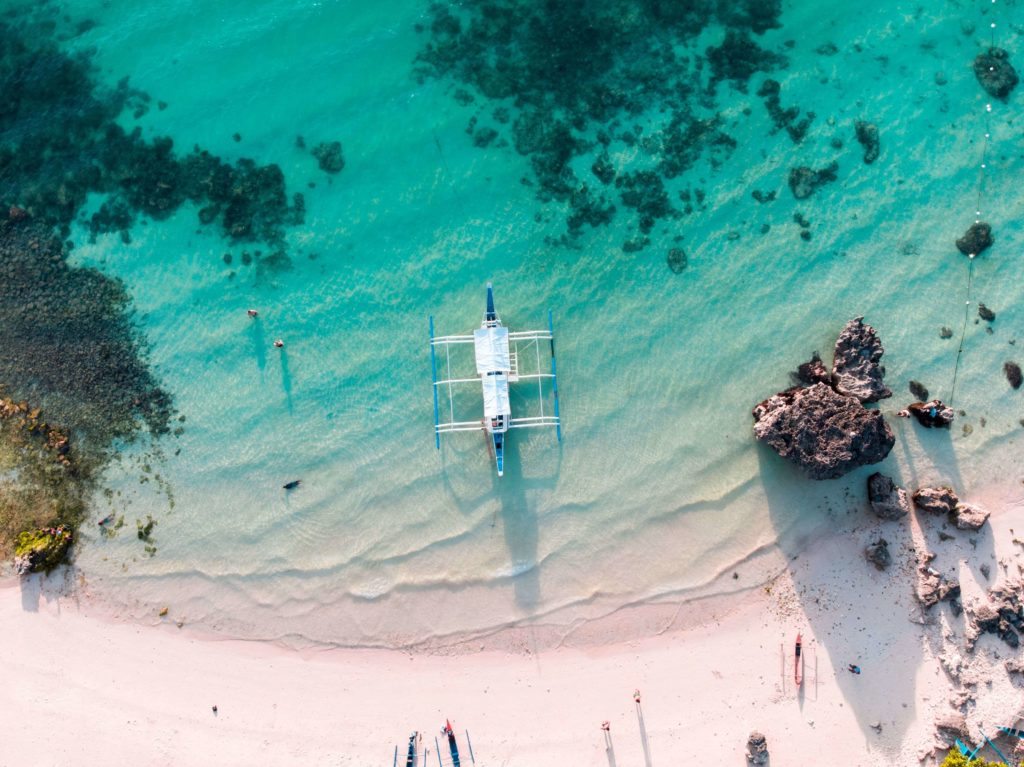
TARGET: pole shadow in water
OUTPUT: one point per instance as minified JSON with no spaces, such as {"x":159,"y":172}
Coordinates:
{"x":644,"y":743}
{"x":259,"y":343}
{"x":286,"y":379}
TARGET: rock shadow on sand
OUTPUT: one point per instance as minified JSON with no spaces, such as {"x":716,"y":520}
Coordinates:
{"x":857,"y":614}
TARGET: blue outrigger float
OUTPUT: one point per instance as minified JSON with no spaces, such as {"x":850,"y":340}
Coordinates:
{"x":498,"y":353}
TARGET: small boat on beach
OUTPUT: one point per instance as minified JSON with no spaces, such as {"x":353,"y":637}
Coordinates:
{"x":499,"y":354}
{"x":798,"y":671}
{"x":452,"y":745}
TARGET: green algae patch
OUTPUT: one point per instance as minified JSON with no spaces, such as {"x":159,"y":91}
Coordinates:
{"x":42,"y":550}
{"x":43,"y":488}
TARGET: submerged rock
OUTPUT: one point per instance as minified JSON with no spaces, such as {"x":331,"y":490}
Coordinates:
{"x":985,"y":313}
{"x":1013,"y":374}
{"x":936,"y":500}
{"x":676,"y":260}
{"x":976,"y":239}
{"x":887,"y":499}
{"x":803,"y":181}
{"x":867,"y":135}
{"x":919,"y":390}
{"x":855,"y":368}
{"x":878,"y":554}
{"x":995,"y":73}
{"x":329,"y":156}
{"x":825,"y":433}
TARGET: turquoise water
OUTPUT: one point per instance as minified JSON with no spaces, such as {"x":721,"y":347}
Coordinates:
{"x":658,"y":491}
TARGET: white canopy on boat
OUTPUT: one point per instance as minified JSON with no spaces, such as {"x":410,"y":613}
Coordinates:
{"x":495,"y":395}
{"x":491,"y":350}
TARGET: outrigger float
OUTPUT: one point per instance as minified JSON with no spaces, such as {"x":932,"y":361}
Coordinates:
{"x":498,"y":354}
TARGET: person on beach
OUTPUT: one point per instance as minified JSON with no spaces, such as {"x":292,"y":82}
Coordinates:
{"x":854,"y":669}
{"x":278,"y":344}
{"x":606,"y":726}
{"x":253,"y":313}
{"x":214,"y":708}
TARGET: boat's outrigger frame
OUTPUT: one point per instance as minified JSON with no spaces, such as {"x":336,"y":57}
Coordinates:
{"x":498,"y":352}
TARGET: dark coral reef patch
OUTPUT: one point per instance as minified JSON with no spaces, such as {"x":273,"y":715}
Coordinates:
{"x":576,"y":83}
{"x":62,"y":141}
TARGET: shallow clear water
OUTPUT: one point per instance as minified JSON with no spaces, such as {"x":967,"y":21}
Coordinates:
{"x":658,"y":488}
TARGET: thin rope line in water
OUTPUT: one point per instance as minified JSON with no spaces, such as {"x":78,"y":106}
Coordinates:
{"x":963,"y":330}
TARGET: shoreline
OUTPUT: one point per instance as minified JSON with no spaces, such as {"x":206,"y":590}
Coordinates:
{"x":111,"y":691}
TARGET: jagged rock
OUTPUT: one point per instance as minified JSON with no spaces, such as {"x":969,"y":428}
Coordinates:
{"x":932,"y":414}
{"x":867,"y":135}
{"x":985,"y":313}
{"x":878,"y":554}
{"x":803,"y":181}
{"x":887,"y":500}
{"x":949,"y":590}
{"x":995,"y":73}
{"x":985,"y":570}
{"x":855,"y":368}
{"x":936,"y":500}
{"x":1014,"y":666}
{"x":1013,"y":374}
{"x":812,"y":372}
{"x":928,"y":582}
{"x":757,"y":748}
{"x":950,"y":727}
{"x":976,"y":239}
{"x":919,"y":390}
{"x":825,"y":433}
{"x":968,"y":517}
{"x":986,"y":618}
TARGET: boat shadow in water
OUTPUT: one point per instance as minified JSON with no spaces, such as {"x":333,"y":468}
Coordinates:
{"x":517,"y":499}
{"x":854,"y":613}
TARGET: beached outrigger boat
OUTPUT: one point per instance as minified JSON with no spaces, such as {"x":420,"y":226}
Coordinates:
{"x":498,"y":354}
{"x":798,"y":671}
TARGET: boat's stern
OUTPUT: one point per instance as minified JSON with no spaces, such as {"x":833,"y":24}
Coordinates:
{"x":499,"y":451}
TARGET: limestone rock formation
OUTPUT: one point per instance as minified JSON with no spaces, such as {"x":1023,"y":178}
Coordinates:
{"x":976,"y":239}
{"x":757,"y":748}
{"x":887,"y":500}
{"x":811,"y":372}
{"x":855,"y":368}
{"x":936,"y":500}
{"x":825,"y":433}
{"x":995,"y":73}
{"x":968,"y":517}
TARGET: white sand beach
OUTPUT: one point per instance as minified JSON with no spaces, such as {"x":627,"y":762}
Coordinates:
{"x":82,"y":689}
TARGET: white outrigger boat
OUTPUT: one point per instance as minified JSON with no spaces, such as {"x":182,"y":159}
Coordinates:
{"x":498,"y":354}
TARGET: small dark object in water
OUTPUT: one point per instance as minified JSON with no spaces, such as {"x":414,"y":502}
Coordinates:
{"x":945,"y":332}
{"x":995,"y":73}
{"x":976,"y":239}
{"x":985,"y":313}
{"x":677,"y":260}
{"x":1013,"y":374}
{"x":293,"y":484}
{"x":867,"y":135}
{"x":919,"y":390}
